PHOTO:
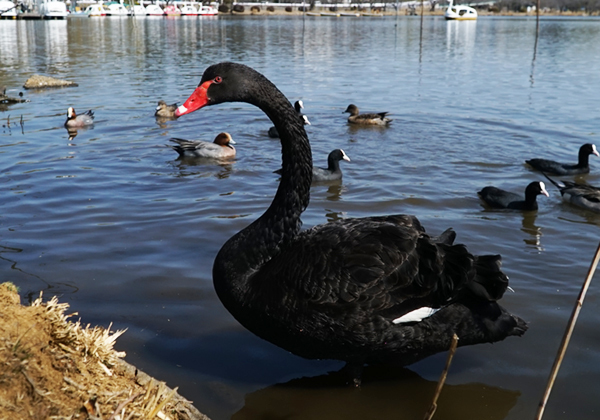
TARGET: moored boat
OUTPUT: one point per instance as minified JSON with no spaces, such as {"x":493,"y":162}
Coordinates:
{"x":460,"y":12}
{"x":8,"y":9}
{"x":208,"y":11}
{"x":172,"y":10}
{"x":154,"y":10}
{"x":188,"y":9}
{"x":53,"y":9}
{"x":116,"y":9}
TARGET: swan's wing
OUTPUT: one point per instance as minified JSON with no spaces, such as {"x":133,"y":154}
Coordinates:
{"x":385,"y":266}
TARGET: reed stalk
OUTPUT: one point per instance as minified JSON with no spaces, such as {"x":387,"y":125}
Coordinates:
{"x":567,"y":336}
{"x":438,"y":390}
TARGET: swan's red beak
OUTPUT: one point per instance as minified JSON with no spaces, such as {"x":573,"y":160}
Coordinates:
{"x":197,"y":100}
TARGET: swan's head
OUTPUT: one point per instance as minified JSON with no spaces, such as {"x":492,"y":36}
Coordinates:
{"x":223,"y":82}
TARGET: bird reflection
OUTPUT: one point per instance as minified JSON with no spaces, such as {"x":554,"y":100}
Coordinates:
{"x":198,"y":166}
{"x":333,"y":216}
{"x":162,"y":121}
{"x":530,"y":228}
{"x":385,"y":390}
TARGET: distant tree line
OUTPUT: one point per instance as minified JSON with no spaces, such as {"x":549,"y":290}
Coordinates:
{"x":589,"y":6}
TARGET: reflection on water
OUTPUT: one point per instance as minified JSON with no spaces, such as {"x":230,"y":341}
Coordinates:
{"x":385,"y":393}
{"x":461,"y":36}
{"x":533,"y":230}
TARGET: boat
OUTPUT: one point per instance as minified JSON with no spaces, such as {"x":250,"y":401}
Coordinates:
{"x":95,"y":10}
{"x":172,"y":10}
{"x":154,"y":10}
{"x":8,"y":10}
{"x":116,"y":9}
{"x":53,"y":9}
{"x":208,"y":11}
{"x":460,"y":12}
{"x":138,"y":10}
{"x":188,"y":9}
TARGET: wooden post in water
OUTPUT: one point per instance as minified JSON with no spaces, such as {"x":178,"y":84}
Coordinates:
{"x":567,"y":337}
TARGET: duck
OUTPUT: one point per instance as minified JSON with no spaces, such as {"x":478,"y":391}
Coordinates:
{"x":361,"y":290}
{"x":164,"y":110}
{"x":220,"y":148}
{"x":79,"y":121}
{"x":374,"y":118}
{"x":501,"y":199}
{"x":332,"y":172}
{"x":556,"y":168}
{"x":581,"y":195}
{"x":298,"y":106}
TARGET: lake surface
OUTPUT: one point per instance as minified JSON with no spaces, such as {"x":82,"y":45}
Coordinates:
{"x":112,"y":223}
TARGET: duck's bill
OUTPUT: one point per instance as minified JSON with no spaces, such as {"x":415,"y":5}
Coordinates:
{"x":197,"y":100}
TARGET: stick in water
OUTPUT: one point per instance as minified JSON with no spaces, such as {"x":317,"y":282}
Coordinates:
{"x":565,"y":341}
{"x":438,"y":389}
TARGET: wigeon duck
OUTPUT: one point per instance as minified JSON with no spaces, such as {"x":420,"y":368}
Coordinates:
{"x":79,"y":121}
{"x":374,"y":118}
{"x":298,"y":106}
{"x":164,"y":110}
{"x":500,"y":199}
{"x":556,"y":168}
{"x":581,"y":195}
{"x":220,"y":148}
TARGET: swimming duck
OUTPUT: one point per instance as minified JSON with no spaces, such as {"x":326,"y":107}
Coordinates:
{"x":79,"y":121}
{"x":333,"y":171}
{"x":378,"y":118}
{"x":220,"y":148}
{"x":581,"y":195}
{"x":298,"y":106}
{"x":500,"y":199}
{"x":553,"y":167}
{"x":164,"y":110}
{"x":367,"y":290}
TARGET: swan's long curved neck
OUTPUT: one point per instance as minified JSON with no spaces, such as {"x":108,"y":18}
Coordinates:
{"x":249,"y":249}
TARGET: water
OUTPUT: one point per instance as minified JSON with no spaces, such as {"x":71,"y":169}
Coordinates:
{"x":112,"y":223}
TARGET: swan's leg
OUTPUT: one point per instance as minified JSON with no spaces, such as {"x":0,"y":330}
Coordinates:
{"x":353,"y":371}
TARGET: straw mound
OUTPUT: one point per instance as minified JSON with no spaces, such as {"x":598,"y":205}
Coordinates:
{"x":40,"y":82}
{"x":52,"y":367}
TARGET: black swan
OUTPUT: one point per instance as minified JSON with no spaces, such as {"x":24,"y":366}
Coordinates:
{"x":500,"y":199}
{"x":299,"y":106}
{"x":370,"y":290}
{"x":220,"y":148}
{"x":79,"y":121}
{"x":581,"y":195}
{"x":164,"y":110}
{"x":374,"y":118}
{"x":332,"y":172}
{"x":556,"y":168}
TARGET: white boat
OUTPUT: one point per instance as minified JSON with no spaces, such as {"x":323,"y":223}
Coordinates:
{"x":8,"y":10}
{"x":116,"y":9}
{"x":188,"y":9}
{"x":208,"y":11}
{"x":460,"y":12}
{"x":95,"y":10}
{"x":53,"y":9}
{"x":154,"y":10}
{"x":138,"y":10}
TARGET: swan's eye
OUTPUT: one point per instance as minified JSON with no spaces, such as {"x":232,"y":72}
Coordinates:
{"x":217,"y":79}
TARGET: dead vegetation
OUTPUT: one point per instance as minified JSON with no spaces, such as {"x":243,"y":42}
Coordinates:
{"x":51,"y":367}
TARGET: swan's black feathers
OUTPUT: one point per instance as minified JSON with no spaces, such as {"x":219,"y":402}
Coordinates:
{"x":335,"y":291}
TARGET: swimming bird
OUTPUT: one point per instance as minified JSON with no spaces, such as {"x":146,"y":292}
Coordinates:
{"x":298,"y":106}
{"x":365,"y":290}
{"x":79,"y":121}
{"x":500,"y":199}
{"x":333,"y":171}
{"x":553,"y":167}
{"x":581,"y":195}
{"x":374,"y":118}
{"x":220,"y":148}
{"x":164,"y":110}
